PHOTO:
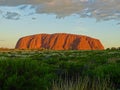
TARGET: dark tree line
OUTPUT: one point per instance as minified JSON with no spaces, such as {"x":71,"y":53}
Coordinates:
{"x":113,"y":48}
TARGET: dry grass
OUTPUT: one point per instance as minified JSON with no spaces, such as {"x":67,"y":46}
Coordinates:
{"x":82,"y":84}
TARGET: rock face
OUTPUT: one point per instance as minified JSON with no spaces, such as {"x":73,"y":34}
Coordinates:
{"x":59,"y":41}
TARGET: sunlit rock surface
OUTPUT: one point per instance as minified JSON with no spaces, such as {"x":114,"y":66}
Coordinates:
{"x":59,"y":41}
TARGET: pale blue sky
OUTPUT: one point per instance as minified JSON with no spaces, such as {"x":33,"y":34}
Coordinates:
{"x":16,"y":23}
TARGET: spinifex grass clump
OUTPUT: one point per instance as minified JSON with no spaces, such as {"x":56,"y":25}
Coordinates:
{"x":84,"y":83}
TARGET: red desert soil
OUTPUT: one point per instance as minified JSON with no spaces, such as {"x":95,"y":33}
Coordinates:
{"x":59,"y":41}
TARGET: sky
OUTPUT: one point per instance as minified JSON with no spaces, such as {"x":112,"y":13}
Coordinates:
{"x":95,"y":18}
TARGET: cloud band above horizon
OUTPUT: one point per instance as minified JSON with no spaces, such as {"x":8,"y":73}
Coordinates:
{"x":98,"y":9}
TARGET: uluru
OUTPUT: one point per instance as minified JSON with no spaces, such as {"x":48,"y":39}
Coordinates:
{"x":59,"y":41}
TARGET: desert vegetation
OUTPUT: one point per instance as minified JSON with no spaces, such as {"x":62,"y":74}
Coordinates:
{"x":60,"y":70}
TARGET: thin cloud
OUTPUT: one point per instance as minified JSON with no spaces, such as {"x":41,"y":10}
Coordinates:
{"x":15,"y":13}
{"x":118,"y":23}
{"x":2,"y":40}
{"x":99,"y":9}
{"x":11,"y":15}
{"x":21,"y":2}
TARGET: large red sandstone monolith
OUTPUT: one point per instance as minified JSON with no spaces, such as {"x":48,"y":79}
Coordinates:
{"x":59,"y":41}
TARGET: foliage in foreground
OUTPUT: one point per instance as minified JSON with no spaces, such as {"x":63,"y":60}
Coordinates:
{"x":82,"y":84}
{"x":37,"y":70}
